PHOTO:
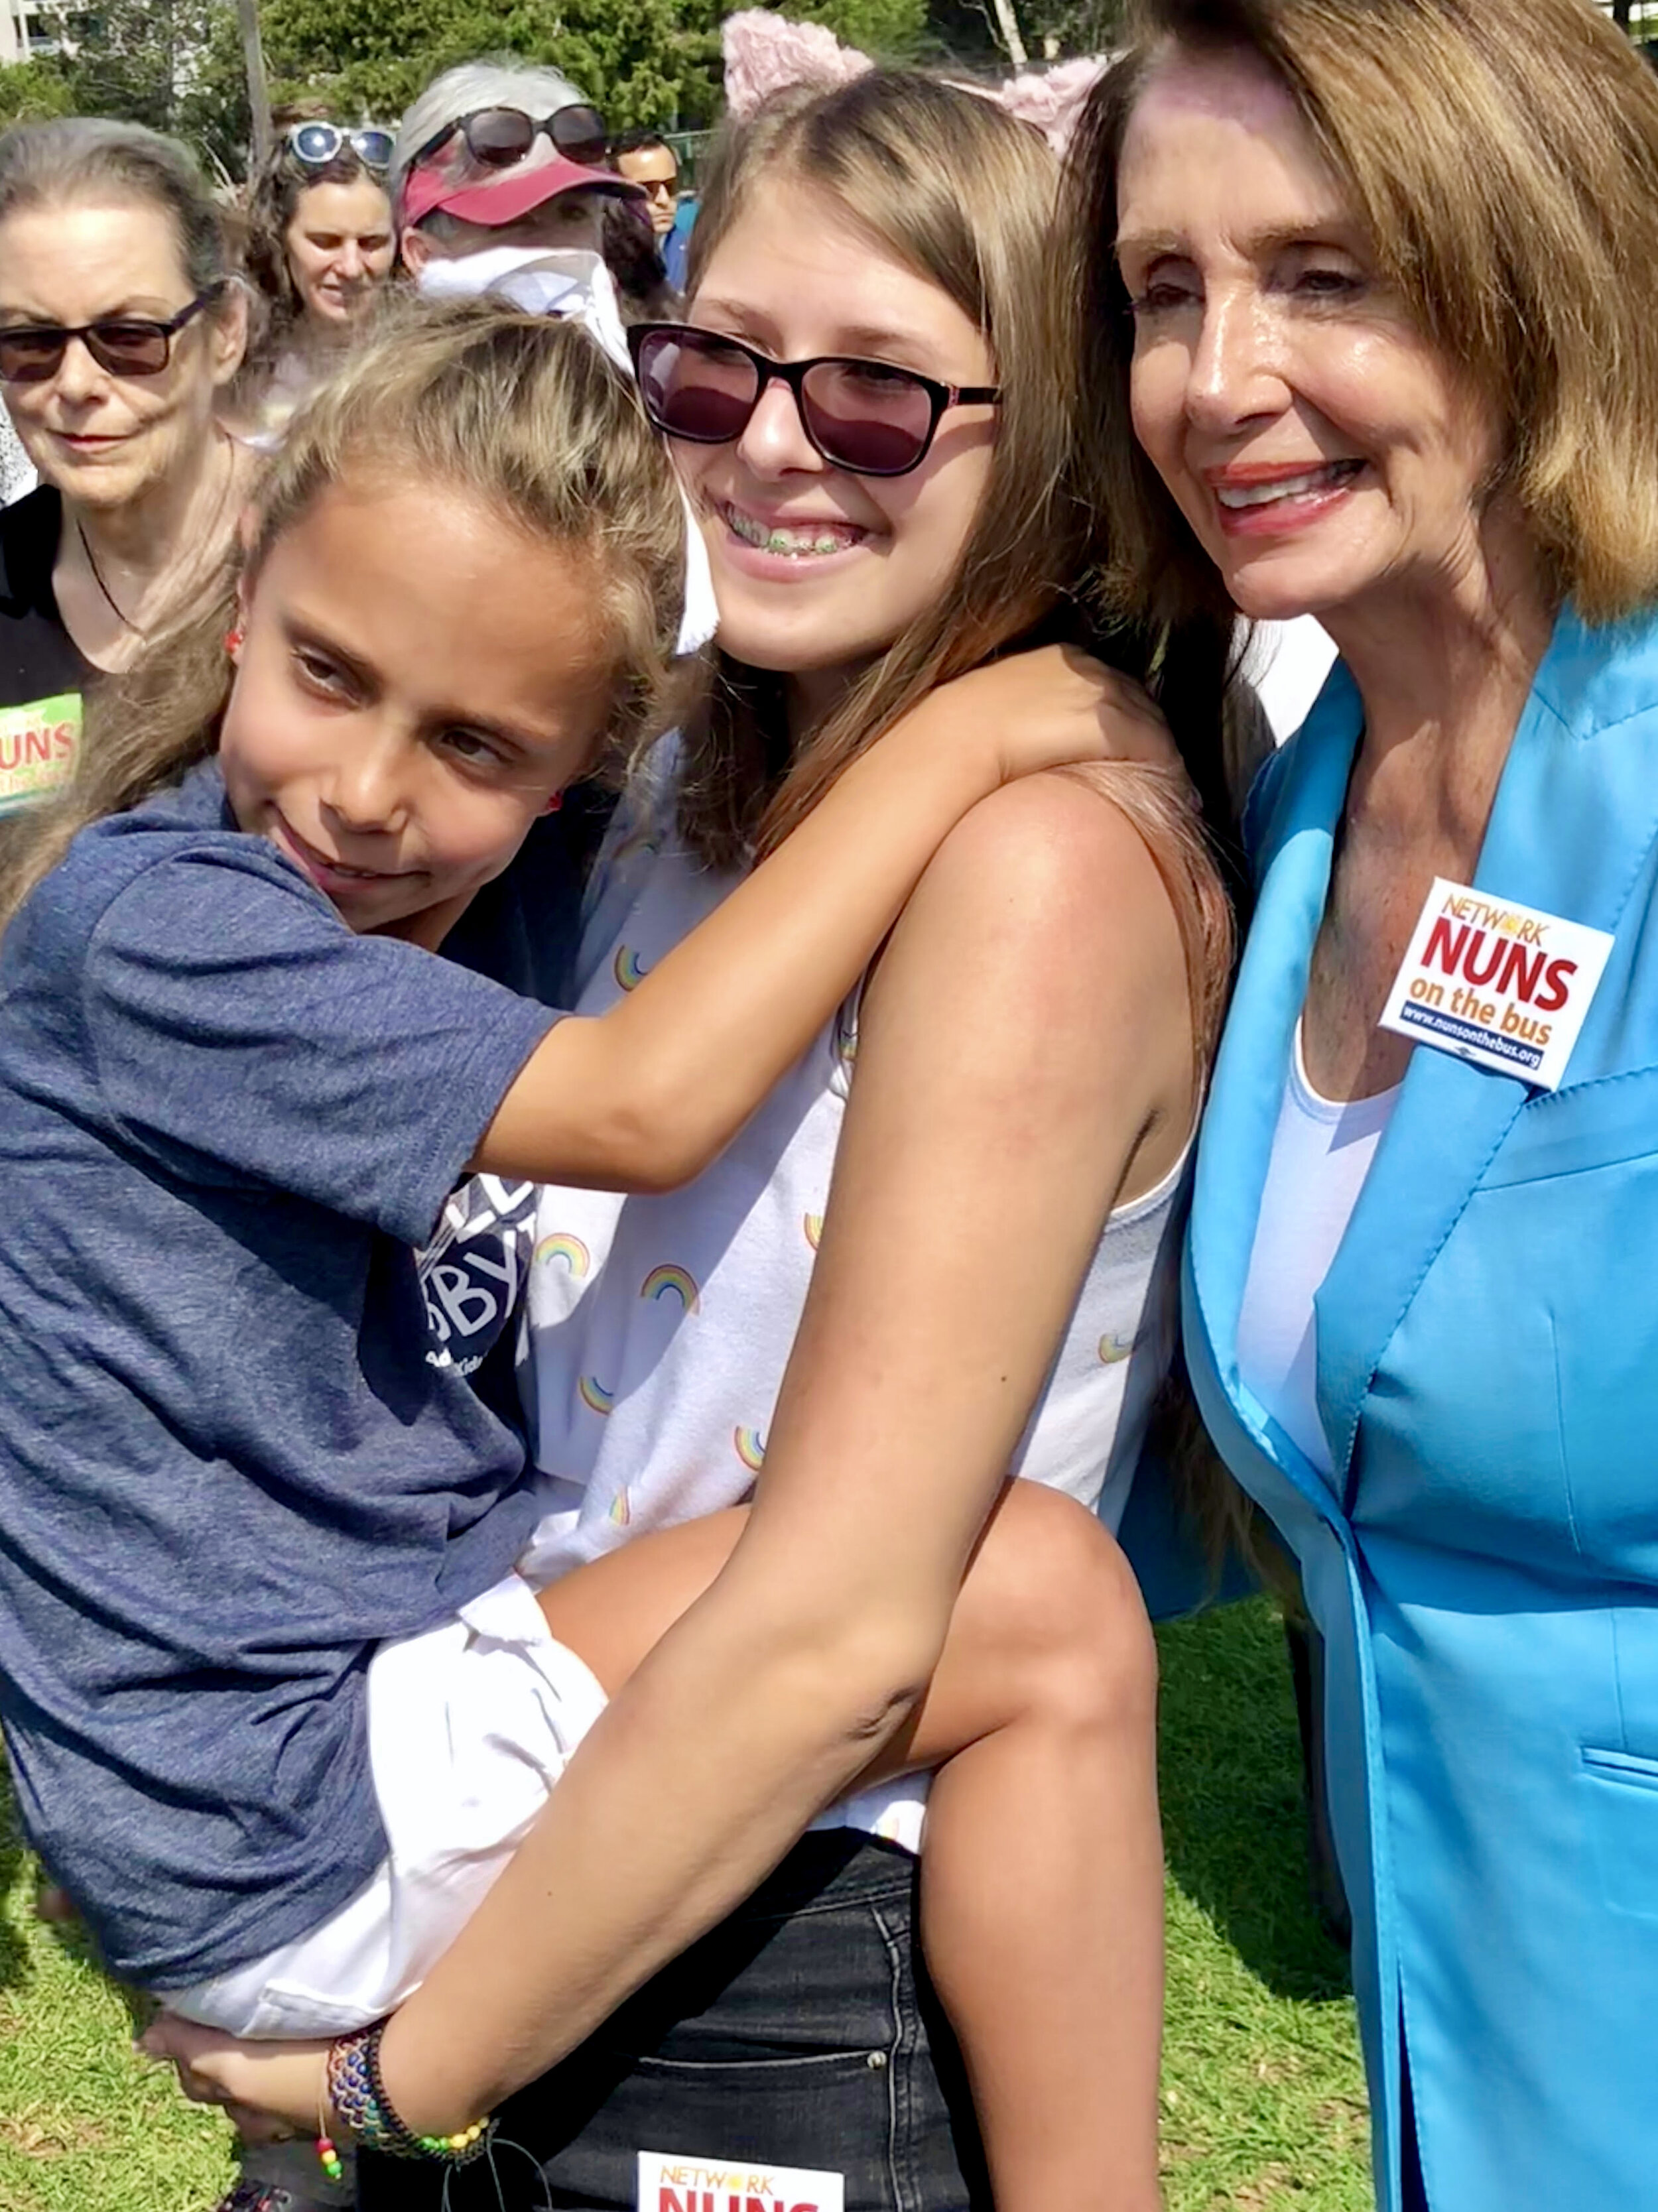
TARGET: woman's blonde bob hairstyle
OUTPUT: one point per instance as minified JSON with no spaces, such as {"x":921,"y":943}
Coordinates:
{"x":1502,"y":157}
{"x":526,"y":415}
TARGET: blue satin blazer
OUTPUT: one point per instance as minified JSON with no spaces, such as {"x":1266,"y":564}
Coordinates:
{"x":1485,"y":1564}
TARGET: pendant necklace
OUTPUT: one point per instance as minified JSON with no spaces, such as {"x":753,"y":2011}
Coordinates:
{"x":109,"y":596}
{"x":125,"y":621}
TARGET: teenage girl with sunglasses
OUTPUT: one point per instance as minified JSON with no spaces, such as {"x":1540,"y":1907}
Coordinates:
{"x":942,"y":1251}
{"x":260,"y":1525}
{"x":322,"y":242}
{"x":120,"y":329}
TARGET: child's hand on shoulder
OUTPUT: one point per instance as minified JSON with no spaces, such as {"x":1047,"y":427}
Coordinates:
{"x":1051,"y":706}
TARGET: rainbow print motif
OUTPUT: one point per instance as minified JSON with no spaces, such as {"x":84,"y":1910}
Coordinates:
{"x":571,"y":1249}
{"x":593,"y":1394}
{"x":669,"y":1282}
{"x":621,"y":1512}
{"x":627,"y":967}
{"x":812,"y":1225}
{"x":750,"y":1446}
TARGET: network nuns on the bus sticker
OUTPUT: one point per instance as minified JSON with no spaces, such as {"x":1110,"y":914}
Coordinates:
{"x":670,"y":2183}
{"x":1502,"y":985}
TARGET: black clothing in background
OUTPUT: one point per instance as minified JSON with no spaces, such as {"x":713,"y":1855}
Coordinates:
{"x":43,"y":672}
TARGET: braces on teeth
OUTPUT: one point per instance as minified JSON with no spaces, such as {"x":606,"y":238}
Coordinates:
{"x":783,"y":541}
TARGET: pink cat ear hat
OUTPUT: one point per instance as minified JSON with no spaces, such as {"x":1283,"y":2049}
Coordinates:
{"x":765,"y":53}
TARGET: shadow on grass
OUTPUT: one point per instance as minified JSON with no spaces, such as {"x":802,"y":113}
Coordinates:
{"x":14,"y":1951}
{"x":1234,"y":1822}
{"x":17,"y":1911}
{"x":72,"y":1940}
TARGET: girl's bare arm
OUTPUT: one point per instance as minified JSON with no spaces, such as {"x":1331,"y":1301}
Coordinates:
{"x":645,"y":1096}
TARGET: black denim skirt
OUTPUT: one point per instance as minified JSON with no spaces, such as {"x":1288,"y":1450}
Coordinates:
{"x":801,"y":2032}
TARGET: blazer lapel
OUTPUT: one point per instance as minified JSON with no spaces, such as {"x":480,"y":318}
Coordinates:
{"x":1568,"y":833}
{"x":1247,"y":1089}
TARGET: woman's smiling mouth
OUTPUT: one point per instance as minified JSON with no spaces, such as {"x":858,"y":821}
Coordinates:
{"x":1255,"y":502}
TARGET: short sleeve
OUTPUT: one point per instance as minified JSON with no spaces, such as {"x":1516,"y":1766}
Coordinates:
{"x":240,"y":1032}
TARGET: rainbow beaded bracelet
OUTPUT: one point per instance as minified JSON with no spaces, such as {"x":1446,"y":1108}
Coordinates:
{"x":357,"y":2094}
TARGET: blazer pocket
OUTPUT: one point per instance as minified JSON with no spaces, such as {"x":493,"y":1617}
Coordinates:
{"x":1601,"y":1124}
{"x":1621,"y":1800}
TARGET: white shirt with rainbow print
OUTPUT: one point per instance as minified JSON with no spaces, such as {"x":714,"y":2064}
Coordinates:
{"x":658,"y":1328}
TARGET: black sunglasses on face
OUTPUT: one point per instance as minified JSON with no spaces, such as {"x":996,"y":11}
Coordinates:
{"x":499,"y":137}
{"x":124,"y":345}
{"x":865,"y":416}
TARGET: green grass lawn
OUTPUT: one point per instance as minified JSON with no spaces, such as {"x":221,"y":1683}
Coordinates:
{"x":1263,"y":2098}
{"x":1263,"y":2090}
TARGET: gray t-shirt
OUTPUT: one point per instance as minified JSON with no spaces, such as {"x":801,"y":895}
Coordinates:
{"x":239,"y":1451}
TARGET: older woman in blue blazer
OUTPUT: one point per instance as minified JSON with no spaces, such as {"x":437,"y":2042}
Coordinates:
{"x":1376,"y":284}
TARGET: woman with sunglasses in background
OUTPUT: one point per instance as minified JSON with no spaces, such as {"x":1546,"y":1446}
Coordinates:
{"x":321,"y":244}
{"x":873,"y":411}
{"x":119,"y":328}
{"x":500,"y":152}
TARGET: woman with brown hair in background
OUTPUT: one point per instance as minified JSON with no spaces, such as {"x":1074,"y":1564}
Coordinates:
{"x":321,"y":241}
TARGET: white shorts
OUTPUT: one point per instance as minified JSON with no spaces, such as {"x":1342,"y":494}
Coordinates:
{"x":470,"y":1725}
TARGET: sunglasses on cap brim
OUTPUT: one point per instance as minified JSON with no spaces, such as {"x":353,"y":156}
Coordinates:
{"x":313,"y":145}
{"x":868,"y":417}
{"x":498,"y":137}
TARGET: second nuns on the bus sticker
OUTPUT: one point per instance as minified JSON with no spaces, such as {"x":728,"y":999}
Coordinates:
{"x":669,"y":2182}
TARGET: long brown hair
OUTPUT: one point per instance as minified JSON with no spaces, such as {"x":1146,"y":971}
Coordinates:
{"x":1502,"y":157}
{"x":951,"y":185}
{"x":531,"y":417}
{"x":272,"y":204}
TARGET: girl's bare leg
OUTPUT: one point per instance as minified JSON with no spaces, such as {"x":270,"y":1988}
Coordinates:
{"x":1042,"y":1883}
{"x":1042,"y":1901}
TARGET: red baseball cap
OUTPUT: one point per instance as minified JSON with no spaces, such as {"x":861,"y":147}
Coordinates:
{"x":504,"y":198}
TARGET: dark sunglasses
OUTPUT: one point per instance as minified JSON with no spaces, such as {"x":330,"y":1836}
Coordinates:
{"x":865,"y":416}
{"x":125,"y":345}
{"x":313,"y":145}
{"x":499,"y":137}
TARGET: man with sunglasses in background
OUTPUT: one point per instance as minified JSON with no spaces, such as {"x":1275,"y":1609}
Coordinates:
{"x":645,"y":158}
{"x":497,"y":153}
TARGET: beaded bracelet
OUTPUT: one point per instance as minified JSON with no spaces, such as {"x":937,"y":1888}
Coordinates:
{"x":356,"y":2094}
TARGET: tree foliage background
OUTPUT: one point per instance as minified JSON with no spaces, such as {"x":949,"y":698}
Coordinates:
{"x":647,"y":61}
{"x":177,"y":65}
